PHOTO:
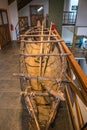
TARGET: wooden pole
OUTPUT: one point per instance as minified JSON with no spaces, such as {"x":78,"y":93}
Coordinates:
{"x":41,"y":51}
{"x":29,"y":105}
{"x":53,"y":113}
{"x":41,"y":78}
{"x":77,"y":91}
{"x":74,"y":40}
{"x":47,"y":51}
{"x":38,"y":35}
{"x":79,"y":115}
{"x":71,"y":110}
{"x":42,"y":41}
{"x":33,"y":55}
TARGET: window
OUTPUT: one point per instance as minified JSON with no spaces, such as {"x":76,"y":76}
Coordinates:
{"x":4,"y":15}
{"x":0,"y":19}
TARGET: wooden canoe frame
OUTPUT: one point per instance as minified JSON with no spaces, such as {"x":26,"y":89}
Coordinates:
{"x":81,"y":91}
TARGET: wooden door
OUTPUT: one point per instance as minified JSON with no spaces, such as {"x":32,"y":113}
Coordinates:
{"x":4,"y":29}
{"x":36,"y":13}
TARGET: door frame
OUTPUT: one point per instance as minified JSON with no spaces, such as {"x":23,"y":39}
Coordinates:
{"x":5,"y":27}
{"x":37,"y":13}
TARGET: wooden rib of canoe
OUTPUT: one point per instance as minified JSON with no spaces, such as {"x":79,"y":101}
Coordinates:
{"x":43,"y":69}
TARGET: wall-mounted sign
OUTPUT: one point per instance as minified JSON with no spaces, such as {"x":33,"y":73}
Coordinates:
{"x":74,"y":7}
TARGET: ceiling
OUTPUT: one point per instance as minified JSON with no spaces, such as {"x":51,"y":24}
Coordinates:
{"x":20,"y":3}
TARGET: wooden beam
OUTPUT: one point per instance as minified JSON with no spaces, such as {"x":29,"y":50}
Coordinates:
{"x":41,"y":55}
{"x":22,"y":3}
{"x":37,"y":35}
{"x":79,"y":114}
{"x":10,"y":1}
{"x":71,"y":110}
{"x":44,"y":41}
{"x":74,"y":42}
{"x":30,"y":107}
{"x":26,"y":76}
{"x":78,"y":92}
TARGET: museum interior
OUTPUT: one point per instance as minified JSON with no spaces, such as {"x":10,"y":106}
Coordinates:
{"x":43,"y":64}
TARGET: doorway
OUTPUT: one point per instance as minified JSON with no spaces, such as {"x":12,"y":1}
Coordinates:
{"x":4,"y":28}
{"x":36,"y":13}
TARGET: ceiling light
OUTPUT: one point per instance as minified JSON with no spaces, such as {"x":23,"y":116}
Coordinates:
{"x":38,"y":10}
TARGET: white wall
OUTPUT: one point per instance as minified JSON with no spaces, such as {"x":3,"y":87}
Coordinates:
{"x":82,"y":31}
{"x":82,"y":18}
{"x":67,"y":34}
{"x":26,"y":11}
{"x":73,"y":2}
{"x":82,"y":13}
{"x":13,"y":18}
{"x":83,"y":65}
{"x":69,"y":3}
{"x":66,"y":5}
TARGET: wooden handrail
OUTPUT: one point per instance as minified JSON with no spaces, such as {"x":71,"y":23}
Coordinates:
{"x":80,"y":75}
{"x":77,"y":69}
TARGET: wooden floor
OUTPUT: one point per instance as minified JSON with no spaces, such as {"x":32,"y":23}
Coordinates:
{"x":13,"y":113}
